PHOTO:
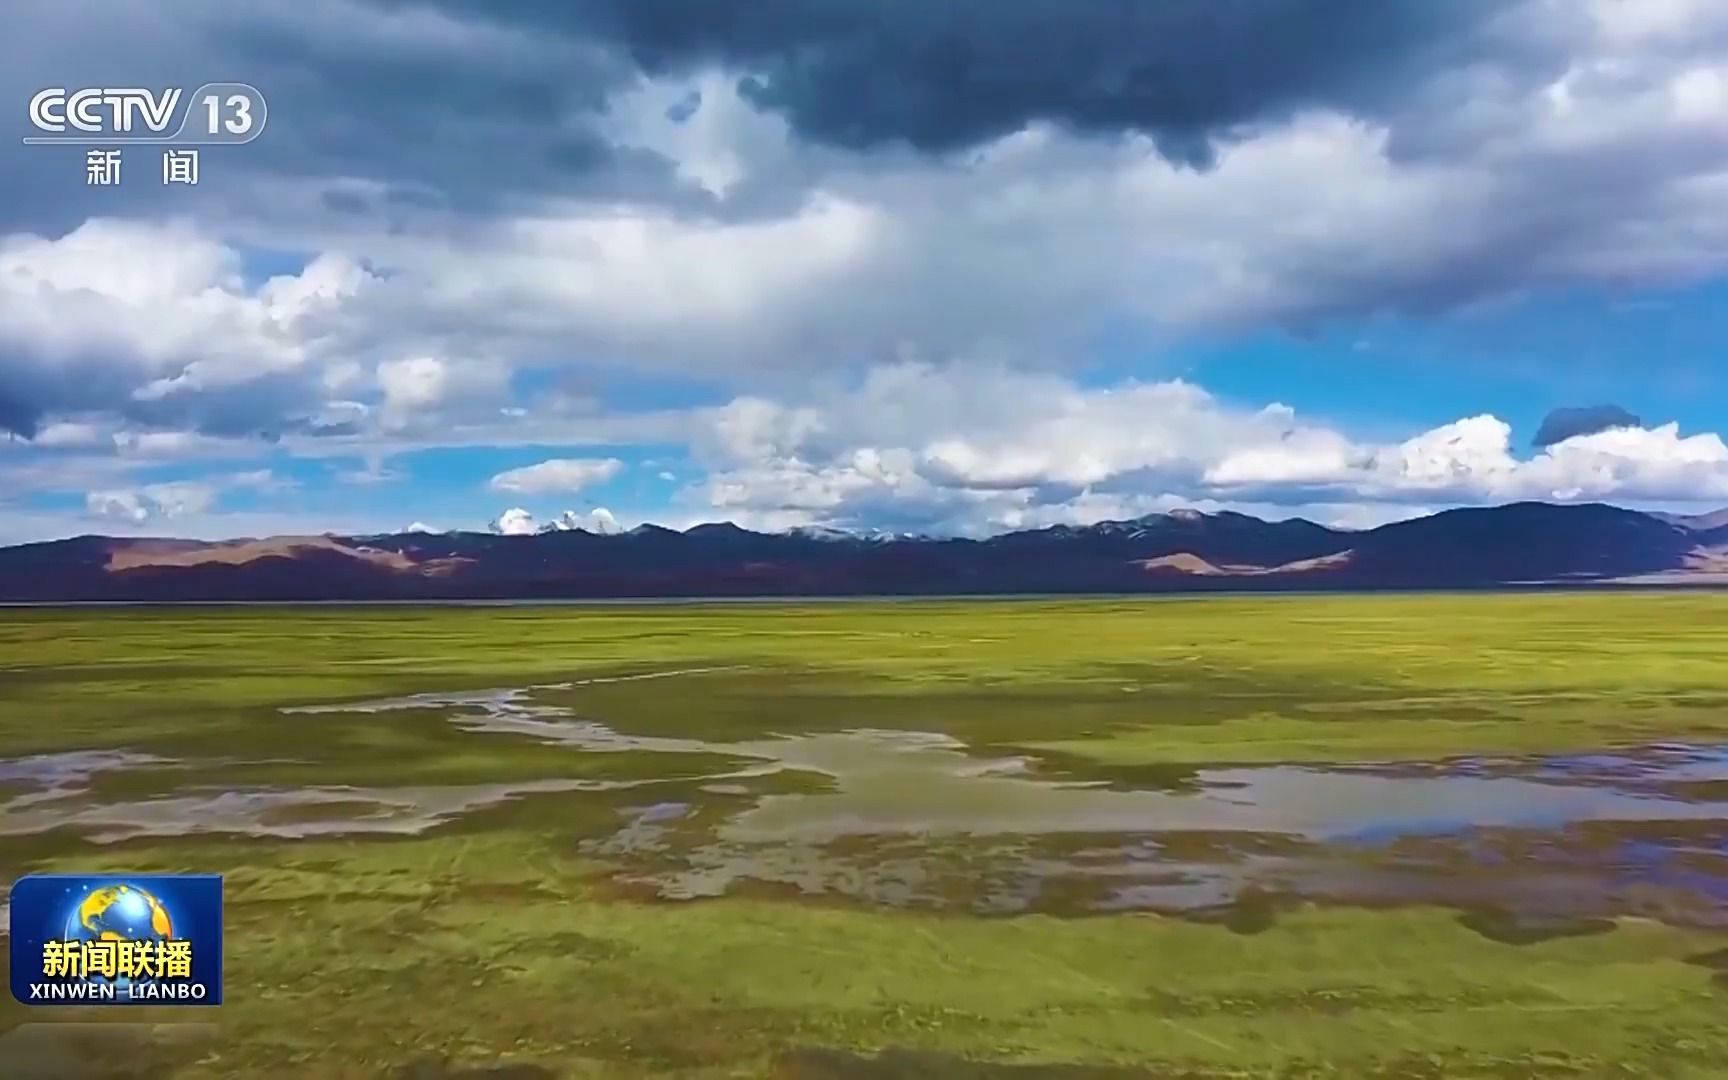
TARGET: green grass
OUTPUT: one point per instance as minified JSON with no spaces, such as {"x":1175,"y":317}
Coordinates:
{"x":346,"y":957}
{"x":493,"y":941}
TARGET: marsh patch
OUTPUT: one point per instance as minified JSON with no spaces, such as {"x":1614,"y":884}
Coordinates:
{"x":911,"y":818}
{"x":889,"y":816}
{"x":1715,"y":959}
{"x":439,"y":1069}
{"x":102,"y":1050}
{"x":1526,"y":928}
{"x":827,"y":1064}
{"x":286,"y":813}
{"x":45,"y":777}
{"x":309,"y":813}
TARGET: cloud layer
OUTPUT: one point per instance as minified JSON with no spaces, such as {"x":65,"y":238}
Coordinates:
{"x":889,"y":235}
{"x":974,"y":450}
{"x":951,"y":76}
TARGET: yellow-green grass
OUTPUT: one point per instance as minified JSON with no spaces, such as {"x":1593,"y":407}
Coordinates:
{"x":488,"y":947}
{"x":1210,"y":679}
{"x":492,"y":942}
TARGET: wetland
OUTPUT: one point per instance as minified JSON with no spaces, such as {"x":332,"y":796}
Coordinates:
{"x":1219,"y":837}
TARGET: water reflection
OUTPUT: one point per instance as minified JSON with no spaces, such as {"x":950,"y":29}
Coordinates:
{"x":893,"y":782}
{"x":1535,"y":845}
{"x":1541,"y":845}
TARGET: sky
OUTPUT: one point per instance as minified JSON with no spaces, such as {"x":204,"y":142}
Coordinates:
{"x":947,"y":268}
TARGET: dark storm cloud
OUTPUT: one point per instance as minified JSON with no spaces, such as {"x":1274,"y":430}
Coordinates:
{"x":945,"y":75}
{"x":397,"y":101}
{"x":33,"y":391}
{"x":1563,"y":424}
{"x":17,"y":415}
{"x":486,"y":104}
{"x":395,"y":95}
{"x":344,"y":202}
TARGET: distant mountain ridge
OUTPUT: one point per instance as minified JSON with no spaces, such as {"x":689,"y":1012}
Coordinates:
{"x":1516,"y":544}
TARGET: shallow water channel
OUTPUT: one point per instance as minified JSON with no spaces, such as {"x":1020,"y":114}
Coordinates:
{"x":917,"y":818}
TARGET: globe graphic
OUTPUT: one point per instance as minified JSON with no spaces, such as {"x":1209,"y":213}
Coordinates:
{"x":119,"y":913}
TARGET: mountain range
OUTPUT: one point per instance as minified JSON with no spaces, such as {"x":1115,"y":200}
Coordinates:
{"x":1518,"y":544}
{"x":1184,"y":550}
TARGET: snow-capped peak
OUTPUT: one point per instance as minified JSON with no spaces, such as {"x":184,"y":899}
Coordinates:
{"x":820,"y":532}
{"x":601,"y":521}
{"x":598,"y":521}
{"x":884,"y":536}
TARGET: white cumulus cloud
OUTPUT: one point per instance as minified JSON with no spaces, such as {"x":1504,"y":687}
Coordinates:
{"x":985,"y":448}
{"x":558,"y":476}
{"x":151,"y":501}
{"x":514,"y":522}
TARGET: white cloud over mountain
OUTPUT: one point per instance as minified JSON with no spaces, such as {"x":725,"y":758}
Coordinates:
{"x":599,"y":521}
{"x":975,"y":449}
{"x":519,"y":522}
{"x":514,"y":522}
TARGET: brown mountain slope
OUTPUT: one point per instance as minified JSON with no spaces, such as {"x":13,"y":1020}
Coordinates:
{"x":164,"y":553}
{"x":1189,"y":563}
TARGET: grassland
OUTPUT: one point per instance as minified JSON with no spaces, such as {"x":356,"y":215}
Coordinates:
{"x":493,"y":943}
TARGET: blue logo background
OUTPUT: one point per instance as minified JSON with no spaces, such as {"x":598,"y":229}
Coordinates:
{"x":43,"y":903}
